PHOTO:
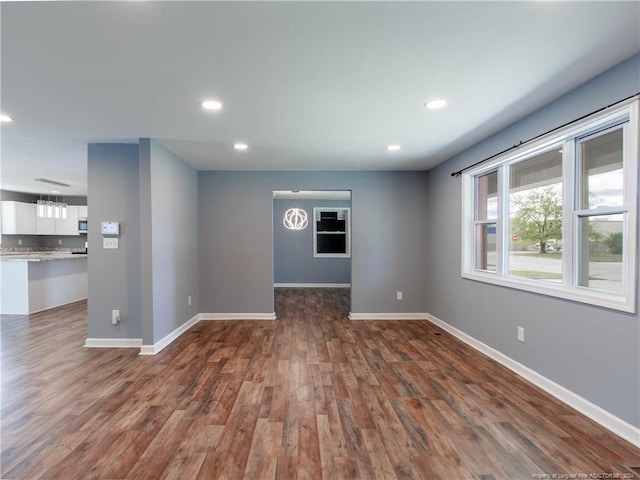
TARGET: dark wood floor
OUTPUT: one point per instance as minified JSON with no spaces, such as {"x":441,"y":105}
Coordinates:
{"x":311,"y":395}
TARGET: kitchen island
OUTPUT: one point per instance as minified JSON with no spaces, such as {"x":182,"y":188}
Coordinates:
{"x":38,"y":281}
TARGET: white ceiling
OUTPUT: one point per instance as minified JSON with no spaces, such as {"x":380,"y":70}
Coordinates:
{"x":308,"y":85}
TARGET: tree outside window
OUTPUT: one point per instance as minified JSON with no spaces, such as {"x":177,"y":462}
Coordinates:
{"x":538,"y":217}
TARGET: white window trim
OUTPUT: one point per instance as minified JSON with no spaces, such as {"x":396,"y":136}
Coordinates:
{"x":564,"y":137}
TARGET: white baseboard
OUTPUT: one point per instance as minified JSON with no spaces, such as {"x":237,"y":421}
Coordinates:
{"x":238,"y":316}
{"x":113,"y":342}
{"x":312,"y":285}
{"x":388,"y":316}
{"x":584,"y":406}
{"x":162,"y":343}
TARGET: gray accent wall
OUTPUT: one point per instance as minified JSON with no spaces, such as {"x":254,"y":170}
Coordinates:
{"x":173,"y":242}
{"x":293,"y":260}
{"x":592,"y":351}
{"x":388,"y":238}
{"x":153,"y":194}
{"x":114,"y":278}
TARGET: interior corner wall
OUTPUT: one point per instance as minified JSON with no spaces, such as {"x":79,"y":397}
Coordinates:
{"x":173,"y":241}
{"x":153,"y":195}
{"x":114,"y":275}
{"x":592,"y":351}
{"x":293,"y":260}
{"x":388,"y":238}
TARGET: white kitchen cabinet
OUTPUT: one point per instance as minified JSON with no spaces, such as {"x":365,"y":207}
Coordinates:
{"x":59,"y":226}
{"x":45,"y":226}
{"x":83,"y":211}
{"x":18,"y":218}
{"x":69,"y":225}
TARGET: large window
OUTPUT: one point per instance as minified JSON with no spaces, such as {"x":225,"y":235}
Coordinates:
{"x":559,"y":216}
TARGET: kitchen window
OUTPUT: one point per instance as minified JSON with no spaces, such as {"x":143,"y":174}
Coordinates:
{"x":331,"y":232}
{"x":559,"y":215}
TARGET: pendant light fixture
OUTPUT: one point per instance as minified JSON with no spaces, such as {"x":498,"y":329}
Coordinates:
{"x":295,"y":218}
{"x":48,"y":208}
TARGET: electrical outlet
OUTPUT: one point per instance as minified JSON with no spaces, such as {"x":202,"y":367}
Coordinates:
{"x":521,"y":334}
{"x":115,"y":317}
{"x":189,"y":300}
{"x":398,"y":295}
{"x":59,"y":241}
{"x":19,"y":241}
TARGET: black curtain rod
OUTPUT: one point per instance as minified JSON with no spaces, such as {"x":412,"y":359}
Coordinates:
{"x":459,"y":172}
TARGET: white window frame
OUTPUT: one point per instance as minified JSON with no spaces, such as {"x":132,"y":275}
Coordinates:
{"x":625,"y":114}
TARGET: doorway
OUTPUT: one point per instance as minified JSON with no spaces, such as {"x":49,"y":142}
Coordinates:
{"x":314,"y":253}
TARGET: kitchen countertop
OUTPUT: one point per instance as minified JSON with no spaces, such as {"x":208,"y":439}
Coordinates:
{"x":41,"y":256}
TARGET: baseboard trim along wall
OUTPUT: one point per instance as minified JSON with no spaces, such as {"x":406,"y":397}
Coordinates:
{"x":584,"y":406}
{"x":312,"y":285}
{"x":238,"y":316}
{"x":161,"y":344}
{"x":113,"y":343}
{"x":388,"y":316}
{"x":166,"y":340}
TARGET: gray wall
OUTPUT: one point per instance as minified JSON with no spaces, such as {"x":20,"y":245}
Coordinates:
{"x":153,"y":194}
{"x":293,"y":260}
{"x":114,"y":275}
{"x":388,"y":238}
{"x":592,"y":351}
{"x":174,"y":240}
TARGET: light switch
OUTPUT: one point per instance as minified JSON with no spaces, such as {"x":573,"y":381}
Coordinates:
{"x":110,"y":242}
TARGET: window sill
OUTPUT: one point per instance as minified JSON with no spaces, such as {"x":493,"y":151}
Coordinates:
{"x":331,"y":255}
{"x":583,"y":295}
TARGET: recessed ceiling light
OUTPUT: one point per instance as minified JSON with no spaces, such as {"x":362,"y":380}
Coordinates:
{"x":240,"y":146}
{"x":393,"y":148}
{"x":5,"y":118}
{"x":435,"y":104}
{"x":212,"y":105}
